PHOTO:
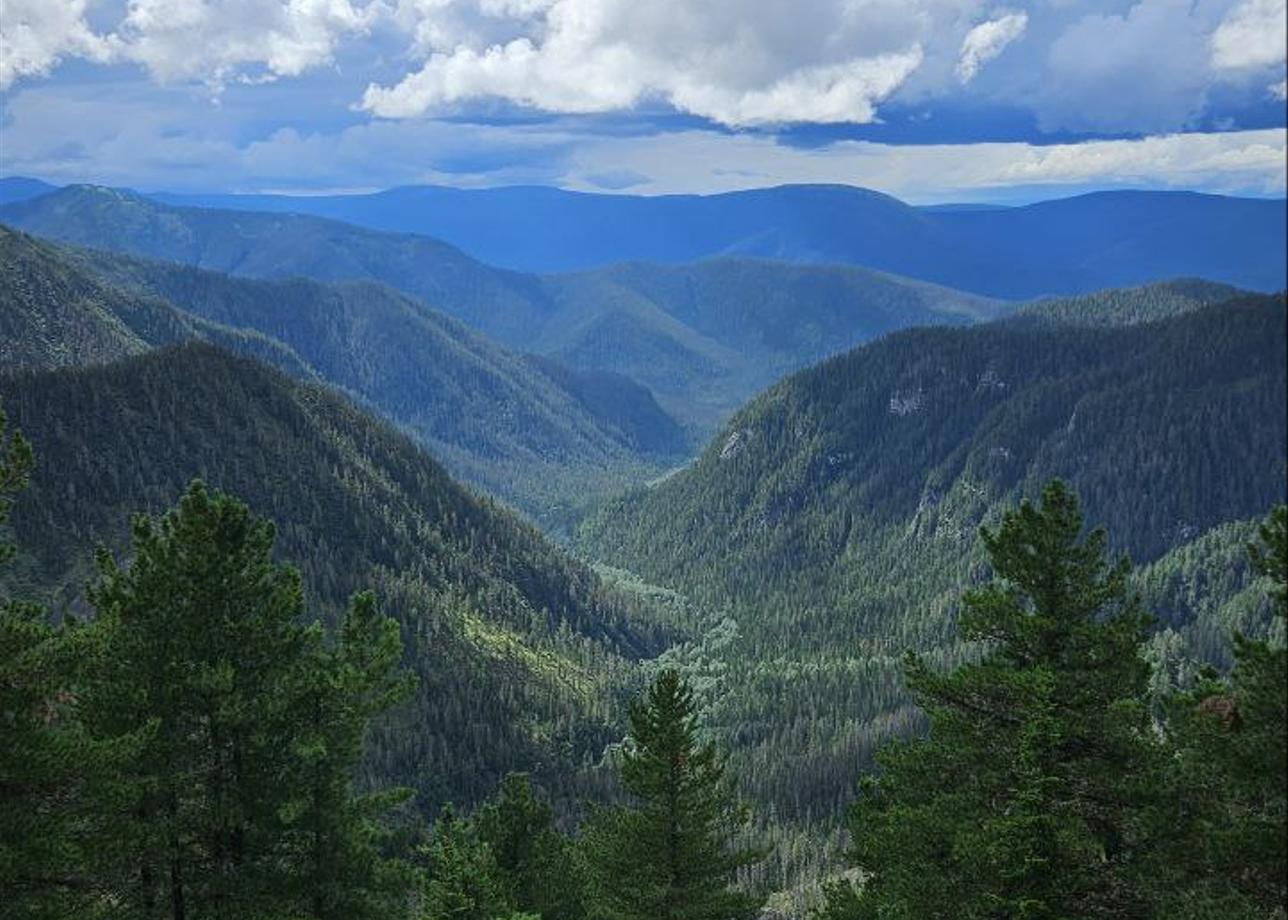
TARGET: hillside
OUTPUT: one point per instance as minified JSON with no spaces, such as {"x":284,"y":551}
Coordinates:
{"x":704,"y":337}
{"x":1063,"y":246}
{"x":707,"y":336}
{"x":835,"y":517}
{"x":517,"y":647}
{"x":532,"y":432}
{"x":1126,"y":306}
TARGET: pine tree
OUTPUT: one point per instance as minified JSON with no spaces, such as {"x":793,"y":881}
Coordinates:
{"x":1223,"y":831}
{"x":244,"y":807}
{"x":670,"y":855}
{"x":1022,"y":800}
{"x":59,"y":848}
{"x":536,"y":864}
{"x":341,"y":871}
{"x":461,"y":881}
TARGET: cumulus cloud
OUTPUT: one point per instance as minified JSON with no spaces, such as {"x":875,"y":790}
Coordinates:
{"x":1087,"y":66}
{"x":36,"y":34}
{"x":735,"y":63}
{"x":986,"y":41}
{"x":211,"y":41}
{"x":218,"y":40}
{"x":1253,"y":35}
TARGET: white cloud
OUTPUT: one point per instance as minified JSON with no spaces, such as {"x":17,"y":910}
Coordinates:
{"x":986,"y":41}
{"x":732,"y":62}
{"x":211,"y":41}
{"x":218,"y":40}
{"x":1253,"y":35}
{"x":1145,"y":70}
{"x":1239,"y":162}
{"x":36,"y":34}
{"x":136,"y":135}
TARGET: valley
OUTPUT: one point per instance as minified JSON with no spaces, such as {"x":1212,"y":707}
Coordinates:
{"x":760,"y":464}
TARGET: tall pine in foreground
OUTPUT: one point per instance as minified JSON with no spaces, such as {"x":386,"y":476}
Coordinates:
{"x":60,"y":845}
{"x":671,"y":855}
{"x":1020,"y":801}
{"x":242,"y":806}
{"x":1223,"y":828}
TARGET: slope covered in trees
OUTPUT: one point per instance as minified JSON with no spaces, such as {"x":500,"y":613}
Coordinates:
{"x":518,"y":648}
{"x":704,"y":337}
{"x":537,"y":434}
{"x":834,"y":518}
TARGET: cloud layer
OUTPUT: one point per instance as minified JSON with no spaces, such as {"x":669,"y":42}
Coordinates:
{"x":1134,"y":66}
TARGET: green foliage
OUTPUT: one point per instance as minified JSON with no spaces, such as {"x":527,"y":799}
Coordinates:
{"x":461,"y":881}
{"x":671,"y":855}
{"x":1019,"y":803}
{"x":832,"y":522}
{"x":546,"y":437}
{"x":1224,"y":825}
{"x":521,"y":655}
{"x":240,"y":802}
{"x":59,"y":847}
{"x":537,"y":866}
{"x":1127,"y":306}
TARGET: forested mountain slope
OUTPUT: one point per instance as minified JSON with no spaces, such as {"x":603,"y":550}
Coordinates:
{"x":1126,"y":306}
{"x":704,"y":337}
{"x":835,"y":518}
{"x":517,"y":647}
{"x":1063,"y":246}
{"x":530,"y":431}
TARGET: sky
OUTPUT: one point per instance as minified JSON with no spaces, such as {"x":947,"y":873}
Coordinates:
{"x":928,"y":100}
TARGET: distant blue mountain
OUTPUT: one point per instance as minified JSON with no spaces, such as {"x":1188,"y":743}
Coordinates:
{"x":1066,"y":246}
{"x":20,"y":188}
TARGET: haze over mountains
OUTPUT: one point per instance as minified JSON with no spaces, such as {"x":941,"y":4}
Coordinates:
{"x":1073,"y":245}
{"x":704,"y":337}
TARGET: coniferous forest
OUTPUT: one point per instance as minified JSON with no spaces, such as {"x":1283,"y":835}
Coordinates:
{"x":600,"y":460}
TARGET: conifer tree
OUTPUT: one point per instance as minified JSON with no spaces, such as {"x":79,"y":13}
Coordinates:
{"x":536,"y":865}
{"x":341,"y":872}
{"x":1223,"y":828}
{"x":59,"y":847}
{"x":244,"y":807}
{"x":461,"y":881}
{"x":671,"y":854}
{"x":1021,"y":802}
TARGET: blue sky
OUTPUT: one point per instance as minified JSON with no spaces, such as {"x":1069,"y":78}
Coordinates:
{"x":929,"y":100}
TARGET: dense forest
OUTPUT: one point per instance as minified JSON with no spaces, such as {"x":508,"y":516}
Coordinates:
{"x":542,"y":436}
{"x":705,"y":337}
{"x":833,"y":522}
{"x":868,"y":653}
{"x":192,"y":751}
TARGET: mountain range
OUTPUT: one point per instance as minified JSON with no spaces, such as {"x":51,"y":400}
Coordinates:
{"x":1063,"y":246}
{"x":523,"y":428}
{"x":705,"y":337}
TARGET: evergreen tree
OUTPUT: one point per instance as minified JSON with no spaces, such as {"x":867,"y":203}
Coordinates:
{"x":58,"y":847}
{"x":536,"y":864}
{"x":1224,"y":829}
{"x":342,"y":872}
{"x":462,"y":881}
{"x":1020,"y":803}
{"x":671,"y":854}
{"x":243,"y":807}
